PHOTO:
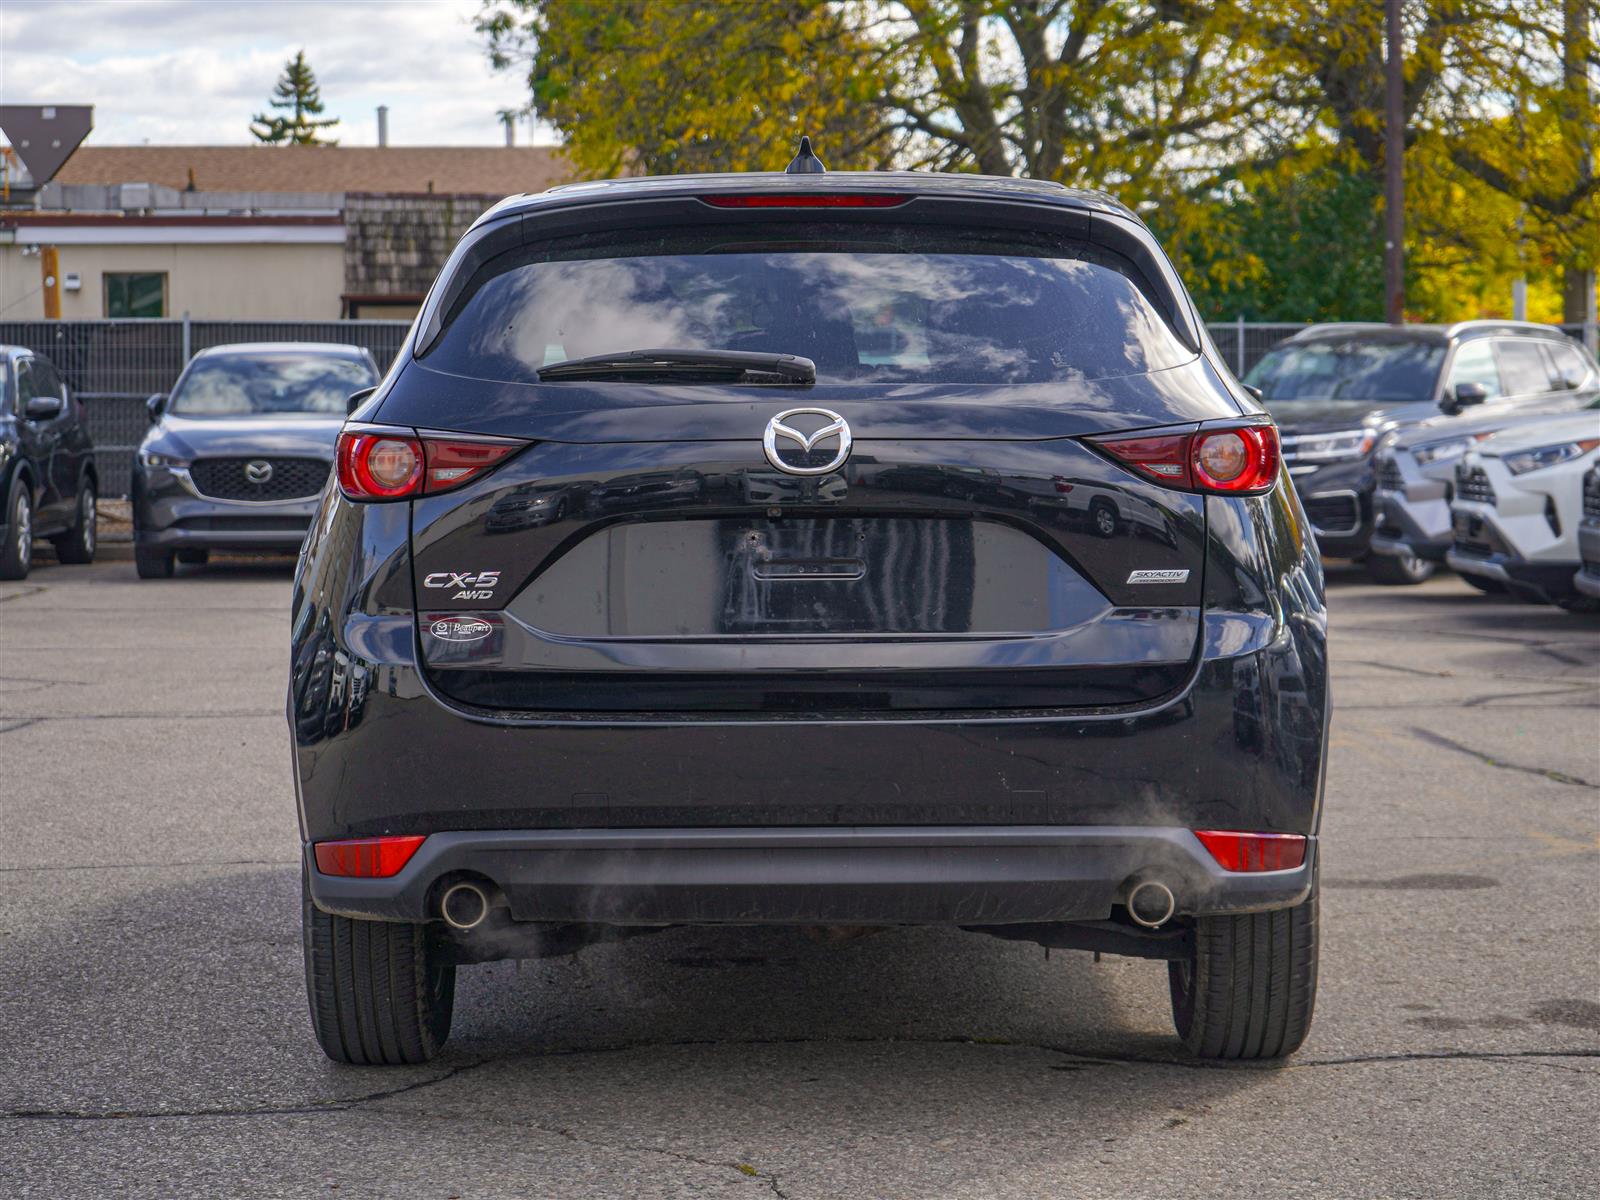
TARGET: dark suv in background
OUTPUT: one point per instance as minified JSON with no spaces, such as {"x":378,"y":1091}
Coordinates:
{"x":48,"y":484}
{"x":1338,"y":391}
{"x":815,"y":626}
{"x":237,"y":456}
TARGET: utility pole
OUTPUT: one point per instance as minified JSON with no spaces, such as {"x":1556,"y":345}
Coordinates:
{"x":50,"y":282}
{"x":1394,"y":178}
{"x":1577,"y":48}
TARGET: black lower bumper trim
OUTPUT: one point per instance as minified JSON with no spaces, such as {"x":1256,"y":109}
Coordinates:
{"x":868,"y":876}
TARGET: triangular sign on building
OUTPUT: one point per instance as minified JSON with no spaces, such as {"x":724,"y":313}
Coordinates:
{"x":45,"y":135}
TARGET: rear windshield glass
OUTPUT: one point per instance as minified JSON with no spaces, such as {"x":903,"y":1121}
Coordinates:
{"x":1384,"y":371}
{"x":241,"y":385}
{"x":866,"y":304}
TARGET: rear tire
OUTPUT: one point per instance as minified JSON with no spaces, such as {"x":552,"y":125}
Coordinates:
{"x":1579,"y":604}
{"x":1251,"y":986}
{"x":380,"y":995}
{"x":16,"y":551}
{"x":1399,"y":570}
{"x":76,"y":545}
{"x":153,"y":564}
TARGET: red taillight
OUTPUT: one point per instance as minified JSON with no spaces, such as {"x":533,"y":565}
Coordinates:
{"x":367,"y":858}
{"x":1234,"y":460}
{"x":450,"y":464}
{"x":379,"y":466}
{"x":1244,"y":459}
{"x":394,"y":466}
{"x":1236,"y":851}
{"x":836,"y":200}
{"x":1164,"y":458}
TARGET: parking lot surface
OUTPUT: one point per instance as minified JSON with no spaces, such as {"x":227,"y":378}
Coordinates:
{"x":156,"y":1041}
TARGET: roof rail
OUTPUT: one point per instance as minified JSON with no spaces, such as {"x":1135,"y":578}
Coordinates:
{"x":1486,"y":322}
{"x":1334,"y":327}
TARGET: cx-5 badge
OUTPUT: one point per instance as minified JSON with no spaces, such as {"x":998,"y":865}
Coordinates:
{"x":776,"y":428}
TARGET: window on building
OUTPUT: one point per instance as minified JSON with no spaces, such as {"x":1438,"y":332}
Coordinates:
{"x":136,"y":294}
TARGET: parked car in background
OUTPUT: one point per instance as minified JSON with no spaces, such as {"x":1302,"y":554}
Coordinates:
{"x":1587,"y":580}
{"x":48,"y":484}
{"x":1519,"y":502}
{"x":1416,"y":471}
{"x":908,"y":695}
{"x":238,"y":454}
{"x":1337,"y":389}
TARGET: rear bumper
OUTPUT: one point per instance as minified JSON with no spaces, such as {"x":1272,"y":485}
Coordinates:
{"x":976,"y":875}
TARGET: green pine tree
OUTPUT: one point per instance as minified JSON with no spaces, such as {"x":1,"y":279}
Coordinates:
{"x":297,"y":93}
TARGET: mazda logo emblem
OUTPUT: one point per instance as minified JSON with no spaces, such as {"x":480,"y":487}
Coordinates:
{"x":258,"y":471}
{"x":834,"y":426}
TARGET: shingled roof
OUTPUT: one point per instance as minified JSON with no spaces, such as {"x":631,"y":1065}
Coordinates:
{"x":448,"y":170}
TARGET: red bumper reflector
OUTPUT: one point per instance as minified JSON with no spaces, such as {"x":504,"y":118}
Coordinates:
{"x":1254,"y":851}
{"x":367,"y":858}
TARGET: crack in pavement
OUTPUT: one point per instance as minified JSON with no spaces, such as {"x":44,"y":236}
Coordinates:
{"x":267,"y":1110}
{"x":348,"y":1103}
{"x":1383,"y":666}
{"x":1576,"y":689}
{"x":1470,"y":636}
{"x":43,"y":682}
{"x":1480,"y":702}
{"x":1439,"y":739}
{"x":743,"y":1168}
{"x":30,"y":590}
{"x":35,"y":718}
{"x":154,"y":866}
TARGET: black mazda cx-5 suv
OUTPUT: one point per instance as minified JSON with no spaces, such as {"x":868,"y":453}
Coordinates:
{"x":815,"y":627}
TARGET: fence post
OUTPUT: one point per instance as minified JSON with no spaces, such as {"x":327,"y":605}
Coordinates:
{"x":1238,"y":355}
{"x":188,"y":339}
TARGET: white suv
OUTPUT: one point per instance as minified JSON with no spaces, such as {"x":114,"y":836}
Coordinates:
{"x":1518,"y":504}
{"x":1587,"y":580}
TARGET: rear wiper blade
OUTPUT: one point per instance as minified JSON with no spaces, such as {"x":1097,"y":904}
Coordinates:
{"x":685,"y":366}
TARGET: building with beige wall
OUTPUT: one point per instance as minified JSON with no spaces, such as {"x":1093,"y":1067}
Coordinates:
{"x":253,"y":232}
{"x":219,"y":268}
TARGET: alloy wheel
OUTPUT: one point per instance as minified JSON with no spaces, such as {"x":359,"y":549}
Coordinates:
{"x":87,"y":516}
{"x":24,"y":533}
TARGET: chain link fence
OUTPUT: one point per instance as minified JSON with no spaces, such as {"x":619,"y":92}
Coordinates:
{"x":115,"y":366}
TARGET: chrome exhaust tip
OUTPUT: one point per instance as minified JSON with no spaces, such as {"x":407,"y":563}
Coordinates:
{"x":1151,"y":904}
{"x":464,"y":906}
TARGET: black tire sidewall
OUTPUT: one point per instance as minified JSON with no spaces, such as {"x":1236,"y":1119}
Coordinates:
{"x":1399,"y":571}
{"x":77,"y":545}
{"x":13,"y":565}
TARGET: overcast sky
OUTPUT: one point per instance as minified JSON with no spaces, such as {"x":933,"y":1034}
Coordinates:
{"x":178,"y":71}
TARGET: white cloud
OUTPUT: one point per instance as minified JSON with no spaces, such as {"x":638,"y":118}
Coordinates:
{"x":195,"y":71}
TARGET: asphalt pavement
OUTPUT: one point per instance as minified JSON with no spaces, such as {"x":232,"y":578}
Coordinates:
{"x":154,"y":1039}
